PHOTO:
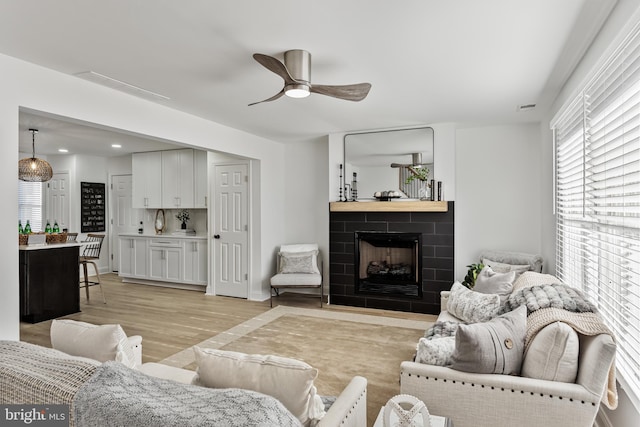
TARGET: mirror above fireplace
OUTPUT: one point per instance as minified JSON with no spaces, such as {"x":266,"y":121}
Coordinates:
{"x":381,"y":159}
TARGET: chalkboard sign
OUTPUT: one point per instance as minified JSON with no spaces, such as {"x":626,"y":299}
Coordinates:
{"x":92,"y":205}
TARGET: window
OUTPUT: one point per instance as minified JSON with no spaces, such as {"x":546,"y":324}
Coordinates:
{"x":597,"y":200}
{"x":30,"y":204}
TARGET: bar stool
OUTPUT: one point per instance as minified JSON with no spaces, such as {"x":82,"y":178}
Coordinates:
{"x":90,"y":253}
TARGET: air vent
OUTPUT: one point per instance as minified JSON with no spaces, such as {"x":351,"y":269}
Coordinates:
{"x":526,"y":107}
{"x":120,"y":85}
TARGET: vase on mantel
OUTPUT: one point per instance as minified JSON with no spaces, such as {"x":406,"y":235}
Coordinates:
{"x":423,"y":191}
{"x":184,"y":225}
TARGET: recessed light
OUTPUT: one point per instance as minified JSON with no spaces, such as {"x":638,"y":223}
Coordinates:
{"x":63,"y":150}
{"x":116,"y":145}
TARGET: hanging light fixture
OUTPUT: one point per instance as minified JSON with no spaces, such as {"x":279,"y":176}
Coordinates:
{"x":34,"y":169}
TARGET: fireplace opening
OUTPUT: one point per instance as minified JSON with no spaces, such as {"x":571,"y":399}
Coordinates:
{"x":388,"y":263}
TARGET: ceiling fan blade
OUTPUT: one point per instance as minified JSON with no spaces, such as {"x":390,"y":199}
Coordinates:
{"x":356,"y":92}
{"x":273,"y":98}
{"x":275,"y":66}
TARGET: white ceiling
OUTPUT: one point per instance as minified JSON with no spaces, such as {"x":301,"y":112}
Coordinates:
{"x":429,"y":61}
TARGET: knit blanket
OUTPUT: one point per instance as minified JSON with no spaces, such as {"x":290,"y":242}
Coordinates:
{"x":547,"y":304}
{"x":116,"y":395}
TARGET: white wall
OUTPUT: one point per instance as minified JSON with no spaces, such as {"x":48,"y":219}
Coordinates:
{"x":497,"y":191}
{"x":37,"y":88}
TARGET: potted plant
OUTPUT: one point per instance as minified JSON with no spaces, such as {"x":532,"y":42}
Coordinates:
{"x":183,"y":216}
{"x":472,"y":275}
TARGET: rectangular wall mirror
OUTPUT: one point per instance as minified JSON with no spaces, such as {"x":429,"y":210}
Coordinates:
{"x":382,"y":161}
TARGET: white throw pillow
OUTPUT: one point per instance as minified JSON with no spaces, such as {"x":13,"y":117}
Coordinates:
{"x":99,"y":342}
{"x":288,"y":380}
{"x":553,"y":354}
{"x":491,"y":282}
{"x":531,"y":278}
{"x":437,"y":351}
{"x":500,"y":267}
{"x":470,"y":306}
{"x":299,"y":262}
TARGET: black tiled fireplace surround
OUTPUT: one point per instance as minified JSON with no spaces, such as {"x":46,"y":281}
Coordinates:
{"x":437,"y":256}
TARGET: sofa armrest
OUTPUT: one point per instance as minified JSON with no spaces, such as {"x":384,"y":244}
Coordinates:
{"x":135,"y":341}
{"x":350,"y":408}
{"x":444,"y":298}
{"x":492,"y":399}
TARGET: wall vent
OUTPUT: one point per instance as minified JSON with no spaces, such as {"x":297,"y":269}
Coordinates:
{"x":526,"y":107}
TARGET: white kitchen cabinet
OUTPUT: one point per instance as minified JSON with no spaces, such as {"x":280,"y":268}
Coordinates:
{"x":178,"y":179}
{"x":201,"y":173}
{"x":133,"y":257}
{"x":195,"y":262}
{"x":147,"y":180}
{"x":165,"y":260}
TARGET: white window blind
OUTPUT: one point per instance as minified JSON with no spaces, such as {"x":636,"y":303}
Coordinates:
{"x":30,"y":204}
{"x":597,"y":154}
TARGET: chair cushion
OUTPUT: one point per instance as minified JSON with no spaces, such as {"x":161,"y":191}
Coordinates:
{"x":288,"y":380}
{"x":98,"y":342}
{"x":553,"y":354}
{"x":291,"y":280}
{"x":471,"y":306}
{"x":493,"y":347}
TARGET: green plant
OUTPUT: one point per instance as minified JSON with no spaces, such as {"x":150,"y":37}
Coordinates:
{"x":417,"y":173}
{"x":472,"y":274}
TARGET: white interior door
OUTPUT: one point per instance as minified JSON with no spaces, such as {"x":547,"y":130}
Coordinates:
{"x":230,"y":230}
{"x":125,"y":218}
{"x":58,"y":200}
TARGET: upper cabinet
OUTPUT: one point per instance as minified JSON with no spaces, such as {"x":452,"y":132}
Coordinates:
{"x":147,"y":180}
{"x":171,"y":179}
{"x":178,"y":179}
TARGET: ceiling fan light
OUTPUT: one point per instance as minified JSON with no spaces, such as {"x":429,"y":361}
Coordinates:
{"x":297,"y":91}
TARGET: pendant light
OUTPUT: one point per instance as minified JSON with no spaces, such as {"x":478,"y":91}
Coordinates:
{"x":34,"y":169}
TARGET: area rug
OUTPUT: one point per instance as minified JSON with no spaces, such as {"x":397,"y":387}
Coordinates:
{"x":339,"y":344}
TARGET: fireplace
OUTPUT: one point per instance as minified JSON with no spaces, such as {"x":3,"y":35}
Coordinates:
{"x":431,"y":262}
{"x":388,"y":264}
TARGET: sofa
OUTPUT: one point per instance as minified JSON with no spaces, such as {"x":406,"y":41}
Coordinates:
{"x":566,"y":369}
{"x":98,"y":371}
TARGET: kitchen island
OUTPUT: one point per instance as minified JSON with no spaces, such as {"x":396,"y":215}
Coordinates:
{"x":49,"y":281}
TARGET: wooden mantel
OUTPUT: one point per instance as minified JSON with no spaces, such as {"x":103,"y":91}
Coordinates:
{"x":395,"y":206}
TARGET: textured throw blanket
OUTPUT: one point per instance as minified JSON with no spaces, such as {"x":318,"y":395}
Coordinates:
{"x":118,"y":396}
{"x":548,"y":304}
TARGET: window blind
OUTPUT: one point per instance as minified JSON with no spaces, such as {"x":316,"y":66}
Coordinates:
{"x":597,"y":169}
{"x":30,"y":204}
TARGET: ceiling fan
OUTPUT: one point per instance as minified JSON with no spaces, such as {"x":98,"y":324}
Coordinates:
{"x":416,"y":162}
{"x":296,"y":73}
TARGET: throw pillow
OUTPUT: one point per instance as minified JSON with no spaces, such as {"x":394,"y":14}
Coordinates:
{"x":471,"y":306}
{"x":99,"y":342}
{"x":438,"y":351}
{"x":531,"y":278}
{"x":288,"y":380}
{"x":500,"y":267}
{"x":553,"y":354}
{"x":299,"y":262}
{"x":491,"y":282}
{"x":493,"y":347}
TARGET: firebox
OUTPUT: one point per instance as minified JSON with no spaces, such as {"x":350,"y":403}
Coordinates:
{"x":388,"y":264}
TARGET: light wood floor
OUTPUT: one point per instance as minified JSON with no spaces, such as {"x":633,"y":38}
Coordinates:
{"x":171,"y":320}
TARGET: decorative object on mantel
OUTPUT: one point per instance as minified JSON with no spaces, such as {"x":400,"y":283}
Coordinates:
{"x":421,"y":174}
{"x":409,"y":417}
{"x":159,"y":223}
{"x":33,"y":169}
{"x":341,"y":186}
{"x":385,"y":196}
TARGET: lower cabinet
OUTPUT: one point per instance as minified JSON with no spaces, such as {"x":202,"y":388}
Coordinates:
{"x":166,"y":259}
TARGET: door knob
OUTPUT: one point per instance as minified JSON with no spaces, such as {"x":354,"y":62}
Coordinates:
{"x":216,"y":236}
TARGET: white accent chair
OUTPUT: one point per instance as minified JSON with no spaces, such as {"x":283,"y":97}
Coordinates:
{"x":309,"y":275}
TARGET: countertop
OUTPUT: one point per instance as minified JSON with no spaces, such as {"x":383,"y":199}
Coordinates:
{"x":48,"y":246}
{"x":165,"y":236}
